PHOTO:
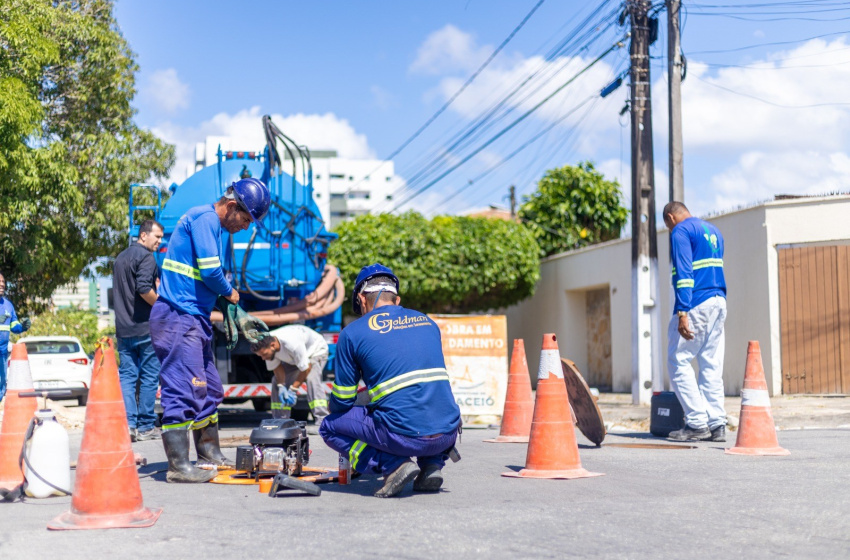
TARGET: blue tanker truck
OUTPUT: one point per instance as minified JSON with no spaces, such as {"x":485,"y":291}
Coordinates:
{"x":280,"y":270}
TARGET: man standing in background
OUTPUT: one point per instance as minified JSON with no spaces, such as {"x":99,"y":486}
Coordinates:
{"x":697,"y":328}
{"x":8,"y":324}
{"x":134,"y":278}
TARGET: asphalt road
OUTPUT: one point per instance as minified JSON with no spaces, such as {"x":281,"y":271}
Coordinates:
{"x":683,"y":503}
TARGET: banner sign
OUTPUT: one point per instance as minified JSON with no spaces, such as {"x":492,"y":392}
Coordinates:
{"x":476,"y":351}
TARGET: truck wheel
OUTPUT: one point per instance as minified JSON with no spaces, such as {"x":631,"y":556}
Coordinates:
{"x":262,"y":405}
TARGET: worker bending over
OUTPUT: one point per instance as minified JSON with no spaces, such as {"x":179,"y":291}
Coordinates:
{"x":398,"y":354}
{"x":181,"y":331}
{"x":297,"y":355}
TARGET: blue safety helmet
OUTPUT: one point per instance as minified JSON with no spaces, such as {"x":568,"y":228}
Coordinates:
{"x":366,"y":274}
{"x":253,"y":197}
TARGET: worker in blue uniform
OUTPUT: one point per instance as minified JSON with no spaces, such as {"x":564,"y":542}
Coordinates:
{"x":398,"y":355}
{"x":696,"y":329}
{"x":9,"y":323}
{"x":191,"y":280}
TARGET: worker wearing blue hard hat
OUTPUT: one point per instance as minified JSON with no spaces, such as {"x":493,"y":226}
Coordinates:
{"x":397,"y":353}
{"x":181,"y":332}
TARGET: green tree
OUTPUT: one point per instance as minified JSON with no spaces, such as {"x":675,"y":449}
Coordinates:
{"x":81,"y":323}
{"x":445,"y":265}
{"x":69,"y":148}
{"x":573,"y":206}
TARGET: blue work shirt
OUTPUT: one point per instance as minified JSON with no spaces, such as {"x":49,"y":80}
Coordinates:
{"x":398,"y":354}
{"x":9,"y":324}
{"x":192,"y":277}
{"x":696,"y":249}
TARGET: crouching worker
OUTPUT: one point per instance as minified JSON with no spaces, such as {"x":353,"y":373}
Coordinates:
{"x":297,"y":355}
{"x":398,"y":355}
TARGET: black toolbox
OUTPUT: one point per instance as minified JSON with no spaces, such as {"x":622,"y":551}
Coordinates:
{"x":666,"y":414}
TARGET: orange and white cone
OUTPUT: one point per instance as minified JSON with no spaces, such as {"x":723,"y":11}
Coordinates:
{"x":552,"y":447}
{"x":519,"y":404}
{"x":756,"y":430}
{"x":17,"y":414}
{"x":107,"y":493}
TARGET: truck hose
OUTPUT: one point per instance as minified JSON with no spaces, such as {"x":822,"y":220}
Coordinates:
{"x":326,"y":306}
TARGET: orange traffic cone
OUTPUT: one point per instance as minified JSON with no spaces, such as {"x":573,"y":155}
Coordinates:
{"x":106,"y":490}
{"x":756,"y":431}
{"x":519,"y":406}
{"x":552,"y":448}
{"x":16,"y":417}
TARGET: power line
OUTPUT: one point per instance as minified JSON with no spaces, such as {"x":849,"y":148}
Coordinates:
{"x":618,"y":44}
{"x":814,"y":105}
{"x":466,"y":84}
{"x":759,"y":45}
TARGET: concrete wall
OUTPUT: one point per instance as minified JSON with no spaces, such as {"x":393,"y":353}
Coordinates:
{"x":750,"y":264}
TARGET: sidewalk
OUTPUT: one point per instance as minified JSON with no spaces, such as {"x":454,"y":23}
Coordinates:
{"x":794,"y":412}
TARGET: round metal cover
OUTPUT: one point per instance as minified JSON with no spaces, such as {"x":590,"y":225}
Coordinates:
{"x":588,"y":418}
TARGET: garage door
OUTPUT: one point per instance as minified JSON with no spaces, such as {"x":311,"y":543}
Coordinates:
{"x":814,"y":291}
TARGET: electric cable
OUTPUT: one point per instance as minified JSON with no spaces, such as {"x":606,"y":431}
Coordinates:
{"x":750,"y":96}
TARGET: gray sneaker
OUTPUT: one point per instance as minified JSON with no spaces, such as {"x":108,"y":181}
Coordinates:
{"x":718,"y":433}
{"x":690,"y":434}
{"x":429,"y":480}
{"x":395,"y":482}
{"x":153,"y":433}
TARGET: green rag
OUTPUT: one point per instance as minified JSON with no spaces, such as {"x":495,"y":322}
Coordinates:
{"x":237,"y":320}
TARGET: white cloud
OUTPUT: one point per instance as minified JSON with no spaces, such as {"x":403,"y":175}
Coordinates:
{"x":164,"y":90}
{"x":448,"y":50}
{"x":318,"y":132}
{"x":761,"y":175}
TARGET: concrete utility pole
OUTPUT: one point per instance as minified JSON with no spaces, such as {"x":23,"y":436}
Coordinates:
{"x":646,"y":364}
{"x":512,"y":195}
{"x":674,"y":94}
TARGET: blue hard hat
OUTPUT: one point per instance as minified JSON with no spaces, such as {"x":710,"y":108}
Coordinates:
{"x":253,"y":197}
{"x":366,"y":274}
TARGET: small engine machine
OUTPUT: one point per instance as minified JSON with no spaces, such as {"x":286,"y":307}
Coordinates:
{"x":276,"y":446}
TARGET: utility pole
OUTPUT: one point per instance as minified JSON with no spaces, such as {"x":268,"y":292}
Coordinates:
{"x":646,"y":364}
{"x":512,"y":195}
{"x":674,"y":94}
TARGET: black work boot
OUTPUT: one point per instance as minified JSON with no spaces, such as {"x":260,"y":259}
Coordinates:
{"x":180,"y":468}
{"x":718,"y":433}
{"x":207,"y":446}
{"x":396,"y":480}
{"x":690,"y":434}
{"x":429,"y":480}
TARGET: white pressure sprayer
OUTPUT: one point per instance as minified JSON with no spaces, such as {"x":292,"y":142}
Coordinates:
{"x":46,"y":454}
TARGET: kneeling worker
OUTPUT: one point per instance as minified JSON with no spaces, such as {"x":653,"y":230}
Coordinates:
{"x":297,"y":355}
{"x":398,"y":354}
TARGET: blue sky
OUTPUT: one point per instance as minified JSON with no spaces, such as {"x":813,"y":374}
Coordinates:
{"x":361,"y":77}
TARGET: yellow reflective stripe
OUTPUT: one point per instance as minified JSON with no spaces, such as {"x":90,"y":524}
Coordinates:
{"x":180,"y":268}
{"x":182,"y":425}
{"x":674,"y":271}
{"x":344,"y":392}
{"x":406,"y":380}
{"x":705,"y":263}
{"x":317,"y":402}
{"x":354,"y":453}
{"x":5,"y":328}
{"x":277,"y":406}
{"x":685,"y":284}
{"x":15,"y":324}
{"x":208,"y":262}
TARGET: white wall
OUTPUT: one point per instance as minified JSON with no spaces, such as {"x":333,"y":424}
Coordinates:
{"x":750,"y":265}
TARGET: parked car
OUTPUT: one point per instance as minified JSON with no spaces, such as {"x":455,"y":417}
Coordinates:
{"x":59,"y":362}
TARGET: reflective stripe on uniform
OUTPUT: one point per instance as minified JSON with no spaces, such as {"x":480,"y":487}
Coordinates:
{"x":706,"y":263}
{"x":208,"y":262}
{"x":15,"y":324}
{"x":4,"y":328}
{"x":685,"y":284}
{"x":213,"y":419}
{"x":182,"y":425}
{"x":341,"y":392}
{"x":277,"y":406}
{"x":180,"y":268}
{"x":317,"y":402}
{"x":354,"y":453}
{"x":405,"y":380}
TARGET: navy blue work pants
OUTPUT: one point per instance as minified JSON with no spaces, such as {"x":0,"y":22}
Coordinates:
{"x":138,"y":371}
{"x":4,"y":359}
{"x":373,"y":449}
{"x":191,"y":386}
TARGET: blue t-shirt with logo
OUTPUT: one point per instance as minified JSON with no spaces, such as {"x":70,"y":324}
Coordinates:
{"x":398,"y":354}
{"x":696,"y":249}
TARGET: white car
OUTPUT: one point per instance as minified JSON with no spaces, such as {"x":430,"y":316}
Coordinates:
{"x":59,"y":362}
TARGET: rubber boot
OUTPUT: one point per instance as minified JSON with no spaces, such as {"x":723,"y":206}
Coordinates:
{"x":207,"y":446}
{"x":180,"y":468}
